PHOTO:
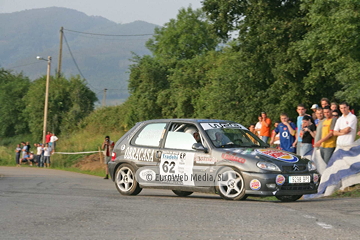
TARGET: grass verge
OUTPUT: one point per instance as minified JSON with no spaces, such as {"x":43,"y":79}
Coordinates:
{"x":353,"y":192}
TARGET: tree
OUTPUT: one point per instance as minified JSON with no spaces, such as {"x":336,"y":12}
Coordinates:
{"x":81,"y":100}
{"x":164,"y":85}
{"x":13,"y":88}
{"x":332,"y":46}
{"x":147,"y":78}
{"x":69,"y":102}
{"x":184,"y":37}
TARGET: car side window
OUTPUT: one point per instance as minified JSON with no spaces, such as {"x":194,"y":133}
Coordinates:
{"x":179,"y":140}
{"x":182,"y":136}
{"x":150,"y":135}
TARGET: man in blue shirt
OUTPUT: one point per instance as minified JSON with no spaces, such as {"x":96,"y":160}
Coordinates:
{"x":287,"y":133}
{"x":301,"y":110}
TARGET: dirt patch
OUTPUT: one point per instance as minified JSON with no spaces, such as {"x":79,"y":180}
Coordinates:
{"x":91,"y":163}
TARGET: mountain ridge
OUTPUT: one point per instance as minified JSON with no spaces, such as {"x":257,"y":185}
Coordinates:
{"x":102,"y":60}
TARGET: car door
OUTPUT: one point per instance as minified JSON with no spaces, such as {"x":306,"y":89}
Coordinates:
{"x":145,"y":145}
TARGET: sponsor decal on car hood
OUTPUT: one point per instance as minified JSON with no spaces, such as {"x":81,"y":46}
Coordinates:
{"x":278,"y":155}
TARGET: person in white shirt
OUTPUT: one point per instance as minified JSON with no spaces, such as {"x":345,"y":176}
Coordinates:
{"x":258,"y":126}
{"x":53,"y":140}
{"x":47,"y":154}
{"x":39,"y":150}
{"x":345,"y":127}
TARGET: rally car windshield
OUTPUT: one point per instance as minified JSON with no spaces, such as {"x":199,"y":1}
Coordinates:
{"x":234,"y":137}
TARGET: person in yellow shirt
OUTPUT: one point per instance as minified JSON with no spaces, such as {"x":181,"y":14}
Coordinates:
{"x":327,"y":143}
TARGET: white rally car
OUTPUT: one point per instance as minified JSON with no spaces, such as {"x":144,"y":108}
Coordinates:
{"x":203,"y":155}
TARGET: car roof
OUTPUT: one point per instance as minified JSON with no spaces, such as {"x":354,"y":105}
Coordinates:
{"x":194,"y":120}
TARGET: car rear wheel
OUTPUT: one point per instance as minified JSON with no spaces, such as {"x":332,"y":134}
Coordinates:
{"x":182,"y":193}
{"x":290,"y":198}
{"x":125,"y":181}
{"x":230,"y":184}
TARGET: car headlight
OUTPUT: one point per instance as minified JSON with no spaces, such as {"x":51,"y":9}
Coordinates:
{"x":268,"y":166}
{"x":311,"y":166}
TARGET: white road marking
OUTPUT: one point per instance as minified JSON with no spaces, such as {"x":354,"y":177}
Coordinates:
{"x":324,"y":225}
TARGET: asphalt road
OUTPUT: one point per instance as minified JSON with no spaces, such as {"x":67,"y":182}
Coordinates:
{"x":51,"y":204}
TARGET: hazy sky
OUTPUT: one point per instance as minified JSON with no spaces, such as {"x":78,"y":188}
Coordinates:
{"x":119,"y":11}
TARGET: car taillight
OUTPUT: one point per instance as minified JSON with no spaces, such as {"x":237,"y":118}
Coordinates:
{"x":113,"y":156}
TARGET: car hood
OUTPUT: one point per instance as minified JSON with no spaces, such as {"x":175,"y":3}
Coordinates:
{"x":266,"y":154}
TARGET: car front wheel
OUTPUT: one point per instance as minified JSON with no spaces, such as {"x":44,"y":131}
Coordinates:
{"x":125,"y":181}
{"x":230,"y":184}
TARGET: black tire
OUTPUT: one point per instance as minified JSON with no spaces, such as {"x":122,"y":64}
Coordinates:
{"x":182,"y":193}
{"x":290,"y":198}
{"x":125,"y":181}
{"x":231,"y":185}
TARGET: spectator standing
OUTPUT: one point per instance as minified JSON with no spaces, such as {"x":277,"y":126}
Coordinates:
{"x":327,"y":143}
{"x":301,"y":110}
{"x":252,"y":128}
{"x":108,"y":146}
{"x":24,"y":150}
{"x":258,"y":126}
{"x":28,"y":147}
{"x":345,"y":127}
{"x":324,"y":102}
{"x":336,"y":113}
{"x":53,"y":140}
{"x":275,"y":137}
{"x":334,"y":106}
{"x":47,"y":154}
{"x":307,"y":134}
{"x":319,"y":116}
{"x":265,"y":127}
{"x":17,"y":155}
{"x":287,"y":132}
{"x":314,"y":107}
{"x":47,"y":137}
{"x":38,"y":154}
{"x":42,"y":158}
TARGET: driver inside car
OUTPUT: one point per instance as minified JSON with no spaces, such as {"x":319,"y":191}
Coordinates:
{"x":221,"y":139}
{"x":197,"y":137}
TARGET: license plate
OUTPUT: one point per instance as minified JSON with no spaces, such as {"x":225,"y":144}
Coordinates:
{"x":299,"y":179}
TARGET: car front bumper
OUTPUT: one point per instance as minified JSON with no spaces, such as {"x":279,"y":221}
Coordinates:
{"x":268,"y":184}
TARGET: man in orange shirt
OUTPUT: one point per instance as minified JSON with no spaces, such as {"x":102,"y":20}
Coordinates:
{"x":265,"y":132}
{"x":327,"y":143}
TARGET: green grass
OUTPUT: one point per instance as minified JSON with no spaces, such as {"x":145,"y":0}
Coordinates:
{"x":353,"y":192}
{"x":86,"y":140}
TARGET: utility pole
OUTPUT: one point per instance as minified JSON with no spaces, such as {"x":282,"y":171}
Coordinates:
{"x":60,"y":52}
{"x":104,"y":98}
{"x":46,"y":96}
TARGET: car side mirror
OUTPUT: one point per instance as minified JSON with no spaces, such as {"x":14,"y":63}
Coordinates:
{"x":199,"y":147}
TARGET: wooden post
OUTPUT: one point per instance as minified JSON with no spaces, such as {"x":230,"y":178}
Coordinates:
{"x":101,"y":155}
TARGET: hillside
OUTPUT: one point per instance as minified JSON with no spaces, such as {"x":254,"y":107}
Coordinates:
{"x":103,"y":60}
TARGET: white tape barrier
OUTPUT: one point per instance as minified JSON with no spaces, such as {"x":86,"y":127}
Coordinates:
{"x":76,"y":152}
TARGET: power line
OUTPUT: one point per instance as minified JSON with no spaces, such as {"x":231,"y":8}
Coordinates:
{"x":111,"y":35}
{"x":37,"y":62}
{"x":112,"y":39}
{"x":72,"y":56}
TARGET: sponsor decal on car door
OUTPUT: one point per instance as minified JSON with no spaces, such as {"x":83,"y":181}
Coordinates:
{"x":177,"y":167}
